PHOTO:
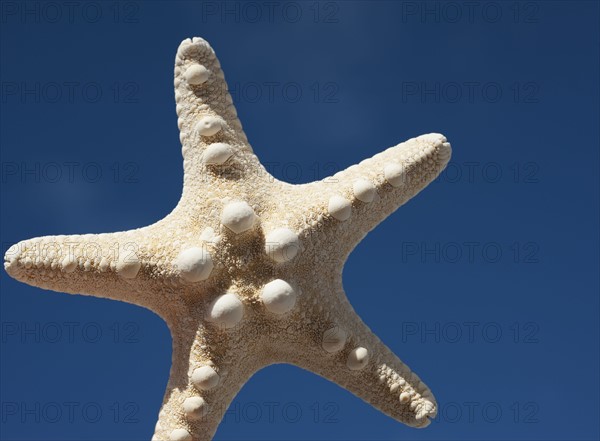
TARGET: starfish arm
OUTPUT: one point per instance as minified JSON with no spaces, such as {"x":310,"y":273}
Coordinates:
{"x":344,"y":350}
{"x":120,"y":266}
{"x":209,"y":368}
{"x":201,"y":91}
{"x":214,"y":145}
{"x":352,"y":202}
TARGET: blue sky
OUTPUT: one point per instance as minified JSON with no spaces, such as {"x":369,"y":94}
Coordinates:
{"x":486,"y":284}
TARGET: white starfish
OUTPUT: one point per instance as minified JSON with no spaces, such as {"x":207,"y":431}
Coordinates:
{"x":246,"y":270}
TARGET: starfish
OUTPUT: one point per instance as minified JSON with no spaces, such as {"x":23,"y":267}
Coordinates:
{"x":246,"y":270}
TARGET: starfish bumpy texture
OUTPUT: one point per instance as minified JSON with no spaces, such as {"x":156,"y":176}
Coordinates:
{"x":246,"y":270}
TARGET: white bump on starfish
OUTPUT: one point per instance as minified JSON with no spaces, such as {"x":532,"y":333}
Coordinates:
{"x":339,"y":207}
{"x":180,"y":435}
{"x":196,"y":74}
{"x":394,"y":388}
{"x":334,"y":339}
{"x":282,"y":245}
{"x":68,"y":264}
{"x":104,"y":264}
{"x":395,"y":174}
{"x":194,"y":408}
{"x":217,"y":153}
{"x":205,"y":378}
{"x":357,"y":359}
{"x":238,"y":216}
{"x":404,"y":397}
{"x":209,"y":125}
{"x":364,"y":190}
{"x":226,"y":311}
{"x":194,"y":264}
{"x":128,"y":266}
{"x":278,"y":296}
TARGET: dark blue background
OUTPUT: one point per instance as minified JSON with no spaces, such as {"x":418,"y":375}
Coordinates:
{"x":521,"y":192}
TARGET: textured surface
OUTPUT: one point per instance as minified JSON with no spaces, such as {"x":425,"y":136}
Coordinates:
{"x":235,"y":231}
